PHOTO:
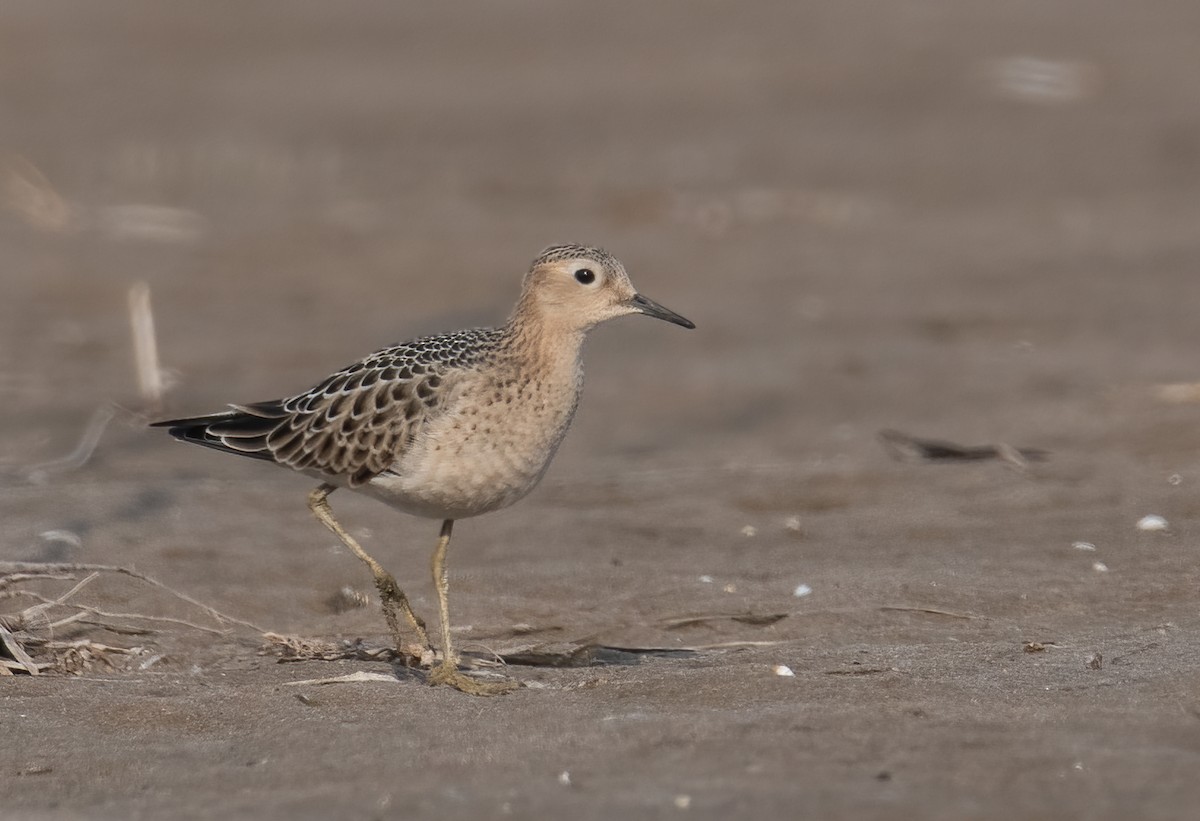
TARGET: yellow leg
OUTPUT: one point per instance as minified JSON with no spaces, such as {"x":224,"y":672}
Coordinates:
{"x":390,"y":594}
{"x":447,"y":672}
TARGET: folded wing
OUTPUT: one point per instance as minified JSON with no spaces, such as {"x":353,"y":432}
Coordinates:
{"x":355,"y":424}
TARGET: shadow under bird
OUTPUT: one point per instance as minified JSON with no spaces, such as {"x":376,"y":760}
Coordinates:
{"x":446,"y":426}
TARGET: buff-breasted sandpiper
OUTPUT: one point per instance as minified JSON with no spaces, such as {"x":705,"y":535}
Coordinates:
{"x":446,"y":426}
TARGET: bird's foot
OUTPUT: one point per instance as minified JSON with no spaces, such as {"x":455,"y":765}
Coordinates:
{"x":448,"y":673}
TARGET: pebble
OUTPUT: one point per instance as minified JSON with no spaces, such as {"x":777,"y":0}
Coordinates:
{"x":1152,"y":522}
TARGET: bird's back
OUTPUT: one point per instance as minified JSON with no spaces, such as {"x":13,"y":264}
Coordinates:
{"x":357,"y":422}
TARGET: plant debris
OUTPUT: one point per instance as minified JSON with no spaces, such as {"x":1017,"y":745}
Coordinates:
{"x":350,"y":678}
{"x":752,"y":619}
{"x":931,"y":611}
{"x":301,"y":648}
{"x":906,"y":448}
{"x":26,"y":635}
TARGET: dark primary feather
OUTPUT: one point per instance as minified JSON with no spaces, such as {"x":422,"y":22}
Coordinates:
{"x":356,"y":422}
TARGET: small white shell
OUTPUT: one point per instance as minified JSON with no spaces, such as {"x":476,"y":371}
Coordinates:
{"x":1152,"y":522}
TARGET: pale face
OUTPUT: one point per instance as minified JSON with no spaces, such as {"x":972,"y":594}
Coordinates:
{"x":584,"y":290}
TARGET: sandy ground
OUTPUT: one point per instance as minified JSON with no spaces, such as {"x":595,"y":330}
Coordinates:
{"x":972,"y":221}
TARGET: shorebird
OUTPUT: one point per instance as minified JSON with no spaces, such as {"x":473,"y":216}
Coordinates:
{"x":445,"y":427}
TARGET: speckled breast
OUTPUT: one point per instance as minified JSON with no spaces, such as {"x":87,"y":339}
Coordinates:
{"x":488,"y":449}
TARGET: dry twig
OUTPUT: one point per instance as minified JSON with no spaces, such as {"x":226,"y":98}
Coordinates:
{"x":905,"y":448}
{"x":9,"y":642}
{"x":82,"y":452}
{"x":71,"y":567}
{"x":752,"y":619}
{"x":85,"y":610}
{"x":77,"y":656}
{"x":931,"y":611}
{"x":145,"y":346}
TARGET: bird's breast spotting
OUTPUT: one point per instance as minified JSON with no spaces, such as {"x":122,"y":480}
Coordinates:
{"x":489,"y":447}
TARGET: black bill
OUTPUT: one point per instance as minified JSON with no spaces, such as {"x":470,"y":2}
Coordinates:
{"x":651,"y":308}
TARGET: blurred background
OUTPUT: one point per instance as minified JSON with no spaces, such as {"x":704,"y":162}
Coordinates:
{"x":876,"y":212}
{"x":969,"y":220}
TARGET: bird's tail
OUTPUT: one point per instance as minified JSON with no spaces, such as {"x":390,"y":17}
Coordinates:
{"x":243,"y":429}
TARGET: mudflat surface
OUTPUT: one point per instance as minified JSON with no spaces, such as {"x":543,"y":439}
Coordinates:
{"x":968,"y":221}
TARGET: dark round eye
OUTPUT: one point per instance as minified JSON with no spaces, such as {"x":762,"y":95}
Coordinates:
{"x":585,"y":276}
